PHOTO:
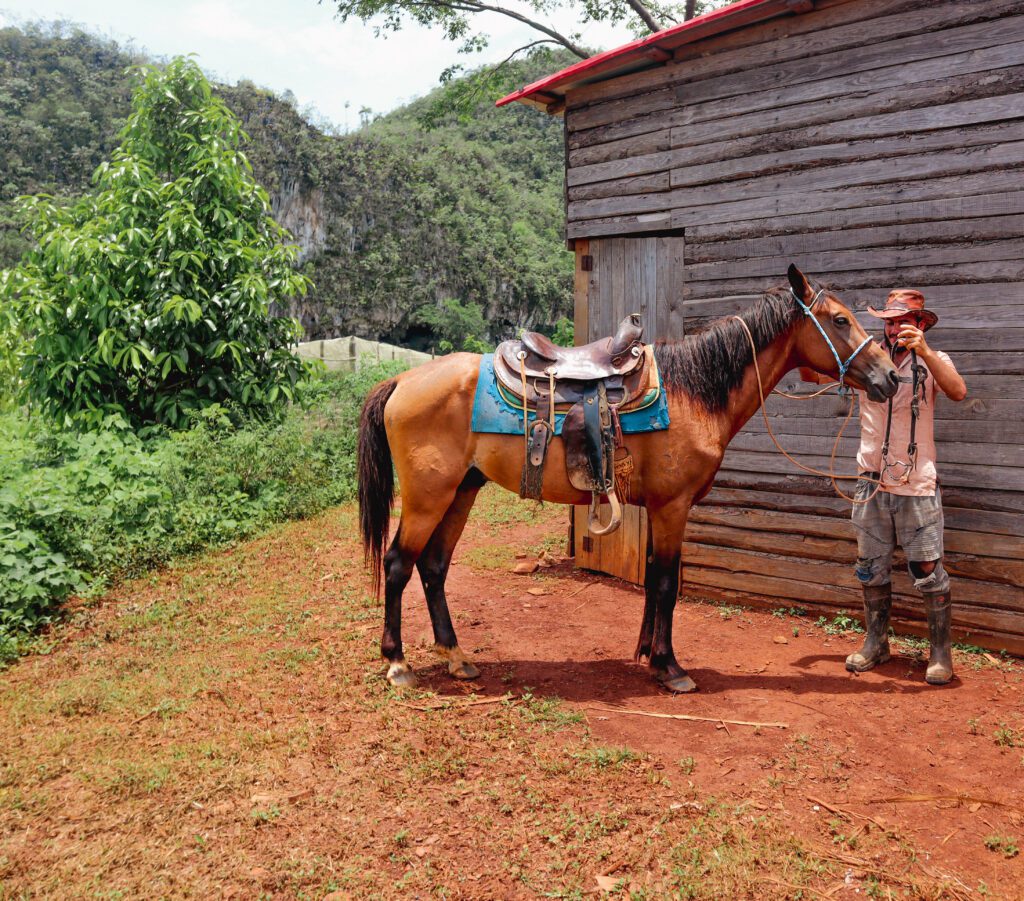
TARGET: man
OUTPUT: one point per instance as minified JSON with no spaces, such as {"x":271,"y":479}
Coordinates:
{"x":898,"y":495}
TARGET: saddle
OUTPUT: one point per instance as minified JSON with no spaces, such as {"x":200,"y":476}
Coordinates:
{"x":590,"y":385}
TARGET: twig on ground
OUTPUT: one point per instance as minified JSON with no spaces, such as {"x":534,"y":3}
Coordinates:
{"x":686,"y":716}
{"x":851,"y":814}
{"x":456,"y":703}
{"x":924,"y":799}
{"x":576,"y":592}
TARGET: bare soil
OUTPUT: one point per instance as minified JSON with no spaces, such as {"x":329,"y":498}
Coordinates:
{"x":223,"y":729}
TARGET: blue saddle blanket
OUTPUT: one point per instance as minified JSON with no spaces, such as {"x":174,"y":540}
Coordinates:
{"x":494,"y":412}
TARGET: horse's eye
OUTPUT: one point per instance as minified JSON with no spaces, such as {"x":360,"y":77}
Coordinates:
{"x":841,"y":320}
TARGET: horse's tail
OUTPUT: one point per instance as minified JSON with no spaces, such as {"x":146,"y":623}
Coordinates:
{"x":376,"y":479}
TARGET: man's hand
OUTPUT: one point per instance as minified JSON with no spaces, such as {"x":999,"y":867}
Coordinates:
{"x":912,"y":338}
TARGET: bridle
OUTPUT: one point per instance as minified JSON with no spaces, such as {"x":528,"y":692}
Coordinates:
{"x":843,"y":367}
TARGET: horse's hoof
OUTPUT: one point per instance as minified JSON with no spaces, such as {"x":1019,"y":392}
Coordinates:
{"x":464,"y":670}
{"x":678,"y":685}
{"x":400,"y":675}
{"x":459,"y":665}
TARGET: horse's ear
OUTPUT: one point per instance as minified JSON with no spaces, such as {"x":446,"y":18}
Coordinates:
{"x":801,"y":287}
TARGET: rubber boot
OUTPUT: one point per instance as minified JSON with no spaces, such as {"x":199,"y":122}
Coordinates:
{"x":940,"y":661}
{"x":877,"y":604}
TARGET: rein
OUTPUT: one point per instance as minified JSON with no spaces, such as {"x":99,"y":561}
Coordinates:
{"x":831,"y":474}
{"x":843,"y":368}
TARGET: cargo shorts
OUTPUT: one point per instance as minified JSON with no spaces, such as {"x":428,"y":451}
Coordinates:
{"x":916,"y":523}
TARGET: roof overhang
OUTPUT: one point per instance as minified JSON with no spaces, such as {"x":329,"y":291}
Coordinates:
{"x":656,"y":49}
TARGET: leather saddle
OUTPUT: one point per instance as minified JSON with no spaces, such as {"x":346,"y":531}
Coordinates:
{"x":590,"y":385}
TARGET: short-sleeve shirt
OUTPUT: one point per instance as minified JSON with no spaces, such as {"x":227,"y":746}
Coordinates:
{"x":922,"y":479}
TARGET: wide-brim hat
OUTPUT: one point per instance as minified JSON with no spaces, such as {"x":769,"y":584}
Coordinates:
{"x":905,"y":301}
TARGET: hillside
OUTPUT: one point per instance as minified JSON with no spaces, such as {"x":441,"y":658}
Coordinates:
{"x":391,"y":218}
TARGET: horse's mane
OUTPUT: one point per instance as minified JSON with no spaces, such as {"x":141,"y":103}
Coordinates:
{"x":708,"y":365}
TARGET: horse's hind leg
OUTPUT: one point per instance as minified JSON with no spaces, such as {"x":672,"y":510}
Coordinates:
{"x":433,"y":566}
{"x":420,"y":517}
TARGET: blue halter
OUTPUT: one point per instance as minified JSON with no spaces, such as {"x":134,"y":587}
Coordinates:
{"x":843,"y":367}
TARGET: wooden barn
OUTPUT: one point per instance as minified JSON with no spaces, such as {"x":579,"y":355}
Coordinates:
{"x":875,"y":143}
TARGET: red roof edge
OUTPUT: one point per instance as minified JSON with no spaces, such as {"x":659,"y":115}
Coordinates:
{"x":693,"y":30}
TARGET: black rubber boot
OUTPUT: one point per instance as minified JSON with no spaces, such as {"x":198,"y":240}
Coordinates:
{"x":877,"y":604}
{"x":940,"y":661}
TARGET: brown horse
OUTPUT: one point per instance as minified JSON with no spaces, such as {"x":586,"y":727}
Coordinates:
{"x":421,"y":420}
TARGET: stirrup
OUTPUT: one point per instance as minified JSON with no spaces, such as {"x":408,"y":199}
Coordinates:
{"x":594,"y":518}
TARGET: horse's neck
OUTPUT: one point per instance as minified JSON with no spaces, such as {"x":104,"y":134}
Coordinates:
{"x":773,"y":362}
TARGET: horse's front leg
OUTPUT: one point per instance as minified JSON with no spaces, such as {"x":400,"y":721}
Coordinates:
{"x":662,"y":589}
{"x":646,"y":639}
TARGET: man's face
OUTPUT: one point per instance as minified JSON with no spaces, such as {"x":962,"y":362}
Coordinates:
{"x":893,"y":326}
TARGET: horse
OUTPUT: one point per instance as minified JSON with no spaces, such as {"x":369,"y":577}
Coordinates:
{"x":420,"y":421}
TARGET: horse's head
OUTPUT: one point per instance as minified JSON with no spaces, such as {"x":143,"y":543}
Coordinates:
{"x":852,"y":357}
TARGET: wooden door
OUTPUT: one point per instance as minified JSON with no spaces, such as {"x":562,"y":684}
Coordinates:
{"x":616,"y":277}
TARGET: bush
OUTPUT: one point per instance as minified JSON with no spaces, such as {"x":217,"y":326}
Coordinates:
{"x":79,"y":510}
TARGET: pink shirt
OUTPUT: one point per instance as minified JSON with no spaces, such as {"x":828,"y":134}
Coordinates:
{"x":896,"y":479}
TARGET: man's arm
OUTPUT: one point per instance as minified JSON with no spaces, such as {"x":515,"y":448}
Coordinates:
{"x":946,"y":377}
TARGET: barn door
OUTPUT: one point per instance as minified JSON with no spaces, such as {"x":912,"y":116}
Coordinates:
{"x":616,"y":277}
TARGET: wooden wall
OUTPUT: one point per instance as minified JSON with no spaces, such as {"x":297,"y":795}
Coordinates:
{"x":876,"y":143}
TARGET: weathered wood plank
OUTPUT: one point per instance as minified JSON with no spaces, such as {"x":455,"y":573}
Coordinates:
{"x":641,"y":184}
{"x":803,"y":545}
{"x":982,"y":448}
{"x":635,"y":156}
{"x":582,"y":287}
{"x":968,"y":274}
{"x":993,"y":598}
{"x":947,"y":431}
{"x":775,"y":521}
{"x":967,"y":475}
{"x":766,"y":46}
{"x":938,"y":164}
{"x":1002,"y":76}
{"x":946,"y":231}
{"x":794,"y":502}
{"x":808,"y":201}
{"x":995,"y":48}
{"x":861,"y":258}
{"x":942,"y":209}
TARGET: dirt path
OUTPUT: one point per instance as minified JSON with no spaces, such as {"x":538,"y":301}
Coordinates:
{"x":223,"y":730}
{"x":942,"y":767}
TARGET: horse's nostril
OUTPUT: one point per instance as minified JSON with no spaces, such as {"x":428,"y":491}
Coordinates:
{"x":894,"y":376}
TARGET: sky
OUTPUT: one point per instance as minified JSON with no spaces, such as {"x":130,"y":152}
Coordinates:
{"x":294,"y":45}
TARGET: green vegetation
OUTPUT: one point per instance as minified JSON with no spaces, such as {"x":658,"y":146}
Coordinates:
{"x":469,"y":208}
{"x":149,"y":298}
{"x":78,"y":510}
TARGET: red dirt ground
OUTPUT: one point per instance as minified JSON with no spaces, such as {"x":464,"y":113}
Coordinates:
{"x":928,"y":762}
{"x":222,"y":729}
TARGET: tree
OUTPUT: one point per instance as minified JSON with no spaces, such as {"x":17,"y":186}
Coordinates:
{"x":457,"y":325}
{"x":455,"y":17}
{"x":149,"y":297}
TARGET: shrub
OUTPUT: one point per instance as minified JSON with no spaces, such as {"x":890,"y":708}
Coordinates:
{"x":79,"y":510}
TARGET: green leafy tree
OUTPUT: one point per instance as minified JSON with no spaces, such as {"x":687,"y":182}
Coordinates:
{"x":149,"y":298}
{"x":457,"y":325}
{"x":457,"y":21}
